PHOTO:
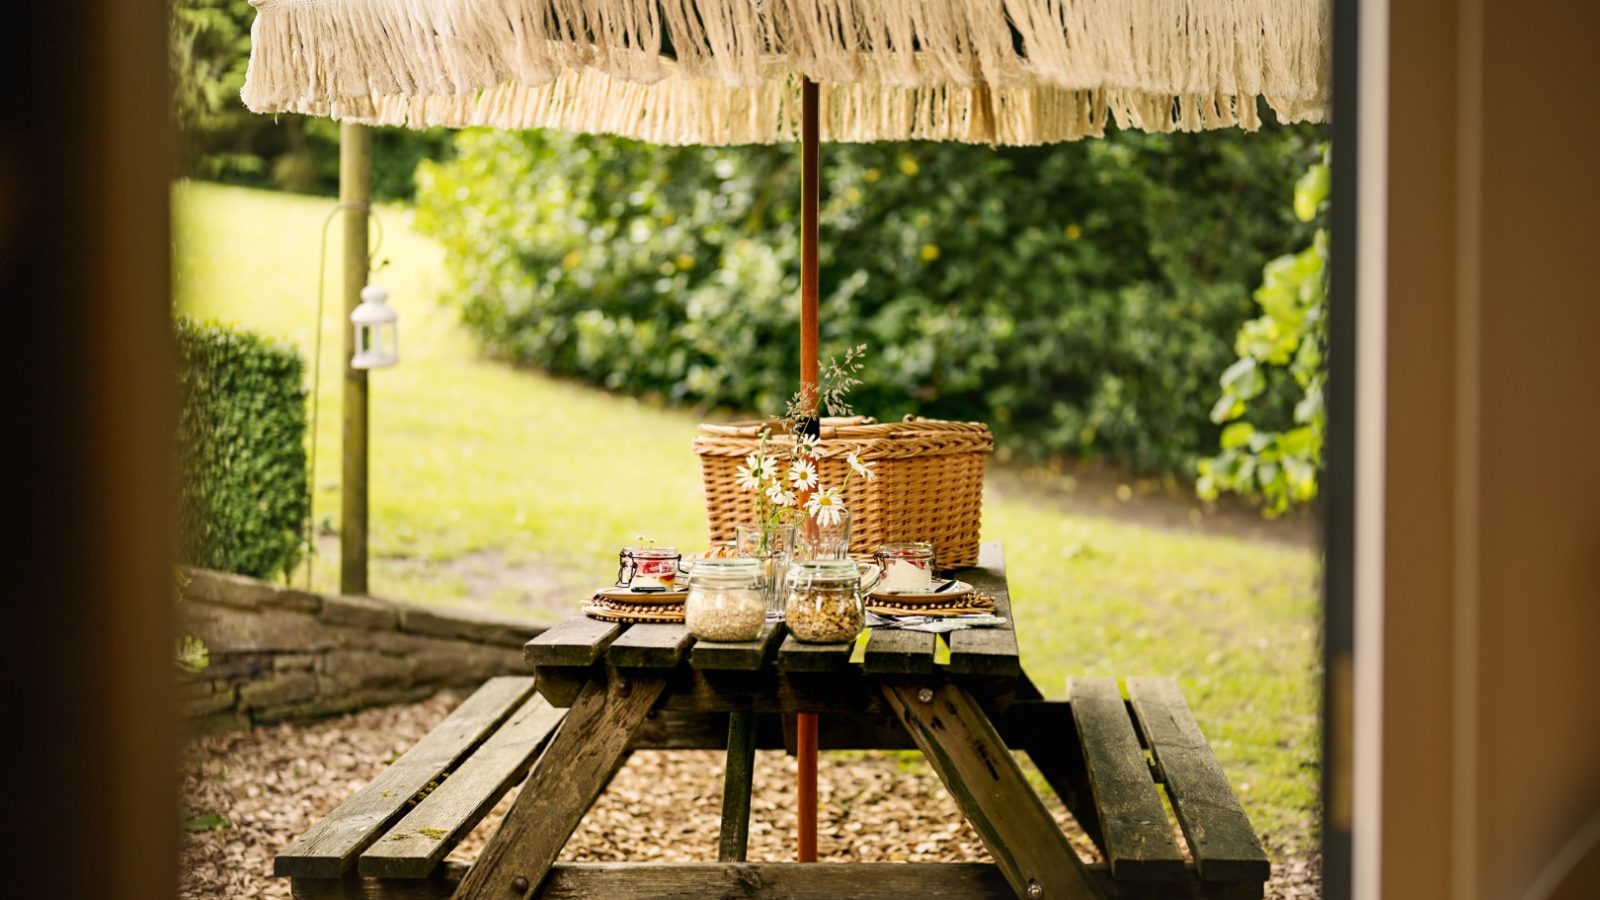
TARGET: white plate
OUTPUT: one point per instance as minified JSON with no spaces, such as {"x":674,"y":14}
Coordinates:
{"x":958,"y":589}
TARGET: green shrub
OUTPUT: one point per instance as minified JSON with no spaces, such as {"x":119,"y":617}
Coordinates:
{"x":242,"y":430}
{"x":1080,"y":297}
{"x":1266,"y":454}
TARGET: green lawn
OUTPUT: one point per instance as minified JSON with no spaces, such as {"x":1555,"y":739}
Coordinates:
{"x":491,"y":486}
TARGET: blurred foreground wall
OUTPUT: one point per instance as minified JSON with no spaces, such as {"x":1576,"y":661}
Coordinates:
{"x":86,"y":380}
{"x":1490,"y":566}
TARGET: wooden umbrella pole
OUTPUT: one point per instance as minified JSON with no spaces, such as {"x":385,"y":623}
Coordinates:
{"x":809,"y":193}
{"x":806,"y":723}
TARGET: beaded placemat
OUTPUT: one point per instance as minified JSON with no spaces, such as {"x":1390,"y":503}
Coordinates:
{"x":976,"y":602}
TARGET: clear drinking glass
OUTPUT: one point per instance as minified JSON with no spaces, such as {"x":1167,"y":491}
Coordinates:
{"x":907,"y":567}
{"x":774,"y":545}
{"x":818,"y":541}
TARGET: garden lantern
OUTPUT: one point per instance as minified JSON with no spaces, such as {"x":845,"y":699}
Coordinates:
{"x":377,"y":330}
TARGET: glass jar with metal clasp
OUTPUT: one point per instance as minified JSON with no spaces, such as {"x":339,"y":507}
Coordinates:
{"x":726,"y":599}
{"x":825,"y":599}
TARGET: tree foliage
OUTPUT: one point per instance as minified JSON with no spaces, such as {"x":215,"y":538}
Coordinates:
{"x":209,"y":50}
{"x":1077,"y":297}
{"x":1264,"y":453}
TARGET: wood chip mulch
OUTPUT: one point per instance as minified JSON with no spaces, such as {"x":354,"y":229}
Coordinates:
{"x":271,"y":784}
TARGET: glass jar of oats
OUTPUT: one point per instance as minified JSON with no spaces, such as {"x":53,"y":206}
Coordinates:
{"x":824,"y":605}
{"x":726,"y":600}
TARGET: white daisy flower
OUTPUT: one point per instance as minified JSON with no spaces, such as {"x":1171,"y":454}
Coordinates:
{"x":777,"y":494}
{"x":808,"y":444}
{"x":755,"y":470}
{"x":862,"y":468}
{"x":803,"y":474}
{"x":826,"y":505}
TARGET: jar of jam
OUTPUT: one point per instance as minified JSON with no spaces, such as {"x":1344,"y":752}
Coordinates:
{"x":726,"y":601}
{"x":907,"y":568}
{"x":648,"y":569}
{"x":824,"y":600}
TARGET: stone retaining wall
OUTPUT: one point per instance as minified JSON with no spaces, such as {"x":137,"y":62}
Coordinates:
{"x":280,"y":654}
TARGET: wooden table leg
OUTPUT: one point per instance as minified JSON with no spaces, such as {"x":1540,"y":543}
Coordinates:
{"x":736,"y":787}
{"x":956,"y":736}
{"x":564,"y":783}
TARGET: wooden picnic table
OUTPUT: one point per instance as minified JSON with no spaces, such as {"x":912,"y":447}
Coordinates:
{"x":601,"y":690}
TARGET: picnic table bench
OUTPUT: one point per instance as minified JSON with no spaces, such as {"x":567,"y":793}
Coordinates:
{"x":600,"y":690}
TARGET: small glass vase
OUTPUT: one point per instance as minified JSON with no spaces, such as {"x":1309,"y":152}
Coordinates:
{"x":774,"y":545}
{"x":818,"y":541}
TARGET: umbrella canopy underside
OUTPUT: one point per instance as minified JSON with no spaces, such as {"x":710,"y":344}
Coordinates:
{"x":729,"y":71}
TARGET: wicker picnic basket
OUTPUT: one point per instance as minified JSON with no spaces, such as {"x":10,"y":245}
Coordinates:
{"x":929,"y":484}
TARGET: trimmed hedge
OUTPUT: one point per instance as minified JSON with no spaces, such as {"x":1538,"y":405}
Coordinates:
{"x":242,"y":432}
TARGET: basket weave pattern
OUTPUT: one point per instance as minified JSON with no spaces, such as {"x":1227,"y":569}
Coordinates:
{"x":929,"y":484}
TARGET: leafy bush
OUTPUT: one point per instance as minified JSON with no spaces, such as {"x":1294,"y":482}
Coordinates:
{"x":1080,"y":298}
{"x":242,"y":430}
{"x":1265,"y":453}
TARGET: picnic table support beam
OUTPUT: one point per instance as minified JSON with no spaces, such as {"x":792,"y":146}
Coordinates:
{"x":736,"y":785}
{"x":564,"y":783}
{"x":977,"y":767}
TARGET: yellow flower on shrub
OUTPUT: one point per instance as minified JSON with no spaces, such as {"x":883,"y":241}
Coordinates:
{"x":1074,"y":232}
{"x":930,"y":252}
{"x":572,"y":260}
{"x":908,"y":166}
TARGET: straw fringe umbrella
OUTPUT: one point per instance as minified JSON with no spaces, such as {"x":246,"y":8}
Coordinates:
{"x":730,"y":71}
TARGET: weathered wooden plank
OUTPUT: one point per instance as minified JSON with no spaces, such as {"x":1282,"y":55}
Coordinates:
{"x":331,"y":845}
{"x":653,"y":646}
{"x":798,"y":656}
{"x":569,"y":775}
{"x":353,"y":887}
{"x":1224,"y":846}
{"x":797,"y":881}
{"x":897,"y":652}
{"x":574,"y":641}
{"x":1137,"y":836}
{"x":957,"y":738}
{"x":791,"y":881}
{"x":412,"y":848}
{"x":735,"y":836}
{"x":680,"y":730}
{"x":832,"y":881}
{"x":987,"y":651}
{"x":741,"y":655}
